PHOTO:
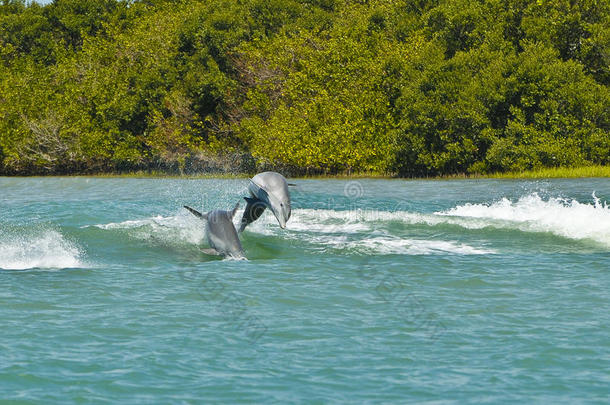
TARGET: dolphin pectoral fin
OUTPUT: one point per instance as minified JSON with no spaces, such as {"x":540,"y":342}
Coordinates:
{"x":264,"y":194}
{"x":254,"y":209}
{"x":210,"y":252}
{"x":196,"y":213}
{"x":251,"y":200}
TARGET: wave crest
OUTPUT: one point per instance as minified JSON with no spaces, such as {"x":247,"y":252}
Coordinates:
{"x":380,"y":232}
{"x":49,"y":250}
{"x":563,"y":217}
{"x":178,"y":229}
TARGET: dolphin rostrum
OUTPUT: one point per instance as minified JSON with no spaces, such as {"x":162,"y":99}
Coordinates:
{"x":221,"y":232}
{"x":267,"y":190}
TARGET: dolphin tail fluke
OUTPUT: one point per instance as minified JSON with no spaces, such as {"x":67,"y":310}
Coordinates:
{"x":235,"y":210}
{"x":196,"y":213}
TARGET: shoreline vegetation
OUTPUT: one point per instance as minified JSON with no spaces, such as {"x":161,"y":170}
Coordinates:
{"x":388,"y":88}
{"x":547,"y":173}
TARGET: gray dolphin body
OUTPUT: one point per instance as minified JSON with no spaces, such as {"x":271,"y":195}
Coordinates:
{"x":221,"y":232}
{"x":267,"y":190}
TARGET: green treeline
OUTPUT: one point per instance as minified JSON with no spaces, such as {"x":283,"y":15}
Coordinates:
{"x":401,"y":87}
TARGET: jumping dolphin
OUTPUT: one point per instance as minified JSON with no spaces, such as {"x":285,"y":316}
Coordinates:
{"x":267,"y":190}
{"x":221,"y":232}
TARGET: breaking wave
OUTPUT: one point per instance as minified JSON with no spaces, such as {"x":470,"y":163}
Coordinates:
{"x":383,"y":232}
{"x":178,"y":229}
{"x":563,"y":217}
{"x":48,"y":250}
{"x":360,"y":231}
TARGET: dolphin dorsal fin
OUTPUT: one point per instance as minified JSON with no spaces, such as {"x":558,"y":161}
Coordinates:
{"x":196,"y":213}
{"x":234,"y":210}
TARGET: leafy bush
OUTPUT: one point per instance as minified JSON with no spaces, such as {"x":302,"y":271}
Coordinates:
{"x":405,"y":87}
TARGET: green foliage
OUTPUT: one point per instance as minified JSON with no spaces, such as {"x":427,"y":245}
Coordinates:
{"x":317,"y":101}
{"x":406,"y":87}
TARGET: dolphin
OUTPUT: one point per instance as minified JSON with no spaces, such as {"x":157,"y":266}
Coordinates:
{"x":267,"y":190}
{"x":221,"y":232}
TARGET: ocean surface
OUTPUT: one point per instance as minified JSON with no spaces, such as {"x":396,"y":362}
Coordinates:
{"x":378,"y":291}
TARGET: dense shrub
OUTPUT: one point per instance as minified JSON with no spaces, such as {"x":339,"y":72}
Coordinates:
{"x":406,"y":87}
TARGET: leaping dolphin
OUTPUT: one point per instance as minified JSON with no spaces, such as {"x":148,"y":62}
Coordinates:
{"x":221,"y":232}
{"x":267,"y":190}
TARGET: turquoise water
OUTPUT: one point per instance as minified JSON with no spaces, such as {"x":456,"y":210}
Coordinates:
{"x":382,"y":291}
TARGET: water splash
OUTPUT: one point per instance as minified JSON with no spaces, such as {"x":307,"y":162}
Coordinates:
{"x":46,"y":250}
{"x":375,"y":231}
{"x":563,"y":217}
{"x":360,"y":231}
{"x":177,"y":229}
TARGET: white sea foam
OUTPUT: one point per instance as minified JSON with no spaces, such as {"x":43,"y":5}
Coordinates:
{"x":361,"y":231}
{"x":382,"y":245}
{"x":385,"y":245}
{"x":368,"y":231}
{"x":47,"y":250}
{"x":567,"y":218}
{"x":171,"y":229}
{"x":563,"y":217}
